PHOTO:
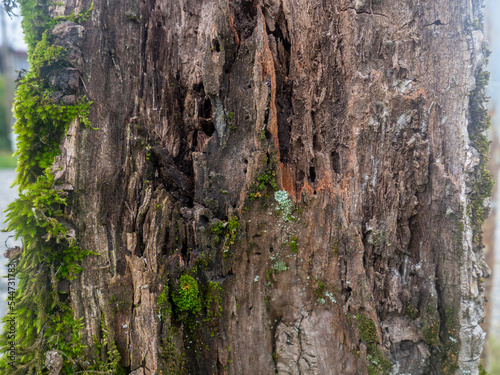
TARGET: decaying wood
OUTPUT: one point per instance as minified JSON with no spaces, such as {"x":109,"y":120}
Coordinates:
{"x":357,"y":109}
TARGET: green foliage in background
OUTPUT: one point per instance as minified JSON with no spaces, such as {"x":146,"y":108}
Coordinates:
{"x":7,"y":160}
{"x":5,"y":144}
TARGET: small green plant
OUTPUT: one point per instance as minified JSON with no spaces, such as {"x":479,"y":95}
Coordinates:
{"x":320,"y":289}
{"x":412,"y":312}
{"x":266,"y":178}
{"x":232,"y":233}
{"x":213,"y":300}
{"x":217,"y":228}
{"x":163,"y":304}
{"x":482,"y":371}
{"x":293,"y":245}
{"x":187,"y":296}
{"x":262,"y":134}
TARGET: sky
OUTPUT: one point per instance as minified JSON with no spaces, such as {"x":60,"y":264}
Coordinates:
{"x":14,"y":33}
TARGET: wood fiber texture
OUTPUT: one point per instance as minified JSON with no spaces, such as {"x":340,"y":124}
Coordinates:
{"x":208,"y":111}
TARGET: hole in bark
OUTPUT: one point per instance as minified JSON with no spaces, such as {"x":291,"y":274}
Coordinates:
{"x":271,"y":249}
{"x":203,"y":220}
{"x":335,"y":159}
{"x":159,"y":24}
{"x":283,"y":102}
{"x":220,"y":367}
{"x":245,"y":171}
{"x":184,"y":252}
{"x":205,"y":109}
{"x":205,"y":114}
{"x":348,"y":291}
{"x":215,"y":45}
{"x":268,"y":134}
{"x":245,"y":161}
{"x":199,"y":88}
{"x":207,"y":126}
{"x":266,"y":115}
{"x":312,"y":175}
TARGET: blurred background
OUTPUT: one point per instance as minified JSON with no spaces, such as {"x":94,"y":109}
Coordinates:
{"x":491,"y":355}
{"x":13,"y":60}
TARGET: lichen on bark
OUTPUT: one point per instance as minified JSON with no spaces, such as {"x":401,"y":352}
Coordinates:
{"x":277,"y":187}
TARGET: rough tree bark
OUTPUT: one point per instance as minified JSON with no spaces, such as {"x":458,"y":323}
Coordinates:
{"x":308,"y":165}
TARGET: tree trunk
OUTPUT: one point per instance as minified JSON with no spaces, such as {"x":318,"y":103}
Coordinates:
{"x":277,"y":186}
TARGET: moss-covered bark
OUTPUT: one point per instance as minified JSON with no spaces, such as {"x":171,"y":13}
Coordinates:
{"x":287,"y":187}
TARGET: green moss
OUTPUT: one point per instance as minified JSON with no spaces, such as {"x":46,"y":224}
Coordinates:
{"x":187,"y":296}
{"x":479,"y":122}
{"x":320,"y":289}
{"x":232,"y":234}
{"x":50,"y":251}
{"x":451,"y":347}
{"x":335,"y":247}
{"x":41,"y":124}
{"x":108,"y":357}
{"x":431,"y":332}
{"x":201,"y":263}
{"x":269,"y":275}
{"x":294,"y":245}
{"x":233,"y":225}
{"x":262,"y":134}
{"x":132,"y":16}
{"x":229,"y":230}
{"x":482,"y":371}
{"x":213,"y":300}
{"x":377,"y":363}
{"x":172,"y":360}
{"x":367,"y":330}
{"x":267,"y":178}
{"x":217,"y":228}
{"x":412,"y":312}
{"x":163,"y":304}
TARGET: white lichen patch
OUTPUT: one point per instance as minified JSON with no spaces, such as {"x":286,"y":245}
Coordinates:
{"x":284,"y":204}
